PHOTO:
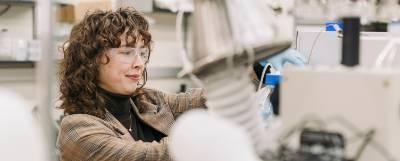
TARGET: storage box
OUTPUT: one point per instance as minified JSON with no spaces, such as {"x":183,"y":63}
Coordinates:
{"x":69,"y":13}
{"x":84,"y":6}
{"x":66,"y":14}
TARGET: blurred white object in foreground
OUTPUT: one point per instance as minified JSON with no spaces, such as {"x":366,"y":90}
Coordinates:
{"x":20,"y":136}
{"x":198,"y":136}
{"x":350,"y":101}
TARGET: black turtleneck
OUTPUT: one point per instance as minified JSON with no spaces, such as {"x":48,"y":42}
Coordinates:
{"x":121,"y":108}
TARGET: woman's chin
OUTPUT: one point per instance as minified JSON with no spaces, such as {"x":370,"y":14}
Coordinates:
{"x":131,"y":90}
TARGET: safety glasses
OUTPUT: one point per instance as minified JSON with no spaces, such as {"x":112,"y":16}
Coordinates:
{"x":129,"y":55}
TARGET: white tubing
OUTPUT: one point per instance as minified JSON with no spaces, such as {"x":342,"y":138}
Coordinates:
{"x":384,"y":53}
{"x":183,"y":53}
{"x":232,"y":96}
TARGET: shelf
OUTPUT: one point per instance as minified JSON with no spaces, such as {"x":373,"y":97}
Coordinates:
{"x":215,"y":63}
{"x":32,"y":2}
{"x":65,"y":2}
{"x":16,"y":64}
{"x":17,"y":2}
{"x":157,"y":9}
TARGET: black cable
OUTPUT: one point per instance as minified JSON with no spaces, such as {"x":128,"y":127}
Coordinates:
{"x":358,"y":133}
{"x":274,"y":98}
{"x":2,"y":12}
{"x":321,"y":123}
{"x":300,"y":126}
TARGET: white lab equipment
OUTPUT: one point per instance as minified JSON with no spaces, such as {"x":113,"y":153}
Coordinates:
{"x":317,"y":11}
{"x":237,"y":34}
{"x":223,"y":47}
{"x":389,"y":11}
{"x":367,"y":98}
{"x":265,"y":106}
{"x":324,"y":48}
{"x":264,"y":93}
{"x":175,"y":5}
{"x":264,"y":97}
{"x":209,"y":138}
{"x":365,"y":9}
{"x":21,"y":138}
{"x":310,"y":10}
{"x":389,"y":56}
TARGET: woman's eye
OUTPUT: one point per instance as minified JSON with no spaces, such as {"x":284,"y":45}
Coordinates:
{"x":125,"y":53}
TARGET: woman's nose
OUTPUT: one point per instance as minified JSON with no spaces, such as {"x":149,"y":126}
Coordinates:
{"x":138,"y":62}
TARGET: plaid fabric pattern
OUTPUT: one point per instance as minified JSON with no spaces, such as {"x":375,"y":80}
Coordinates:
{"x":84,"y":137}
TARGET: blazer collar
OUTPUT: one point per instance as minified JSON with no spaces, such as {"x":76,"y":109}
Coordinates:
{"x":118,"y":127}
{"x":121,"y":129}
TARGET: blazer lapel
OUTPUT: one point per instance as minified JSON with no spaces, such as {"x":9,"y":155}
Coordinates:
{"x":118,"y":127}
{"x":155,"y":116}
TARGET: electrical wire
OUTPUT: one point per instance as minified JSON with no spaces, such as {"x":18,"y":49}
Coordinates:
{"x":388,"y":53}
{"x":384,"y":53}
{"x":5,"y":10}
{"x":368,"y":137}
{"x":317,"y":38}
{"x":392,"y":54}
{"x":343,"y":122}
{"x":301,"y":125}
{"x":262,"y":77}
{"x":313,"y":45}
{"x":358,"y":132}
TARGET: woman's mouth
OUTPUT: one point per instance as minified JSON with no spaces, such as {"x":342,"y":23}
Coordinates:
{"x":134,"y":77}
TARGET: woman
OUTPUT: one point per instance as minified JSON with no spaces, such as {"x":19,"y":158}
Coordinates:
{"x":109,"y":115}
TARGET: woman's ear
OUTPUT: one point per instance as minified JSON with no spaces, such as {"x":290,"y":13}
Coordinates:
{"x":103,"y":58}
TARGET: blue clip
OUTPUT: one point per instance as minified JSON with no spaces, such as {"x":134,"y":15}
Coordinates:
{"x":333,"y":25}
{"x":272,"y":79}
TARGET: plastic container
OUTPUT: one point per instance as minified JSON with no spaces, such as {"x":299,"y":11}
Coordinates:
{"x":21,"y":50}
{"x":394,"y":29}
{"x":271,"y":80}
{"x":5,"y":45}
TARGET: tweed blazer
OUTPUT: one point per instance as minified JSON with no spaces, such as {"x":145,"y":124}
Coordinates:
{"x":85,"y":137}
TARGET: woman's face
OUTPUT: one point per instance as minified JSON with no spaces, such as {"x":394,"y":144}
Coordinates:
{"x":124,"y":70}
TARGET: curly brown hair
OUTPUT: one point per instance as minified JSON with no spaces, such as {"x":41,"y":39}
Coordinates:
{"x":97,"y":32}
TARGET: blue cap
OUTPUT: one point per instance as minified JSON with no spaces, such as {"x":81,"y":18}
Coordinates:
{"x":272,"y":79}
{"x":329,"y":25}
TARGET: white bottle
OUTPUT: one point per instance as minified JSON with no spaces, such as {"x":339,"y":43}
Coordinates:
{"x":5,"y":45}
{"x":21,"y":50}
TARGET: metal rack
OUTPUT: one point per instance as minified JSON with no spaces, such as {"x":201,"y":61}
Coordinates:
{"x":30,"y":3}
{"x":5,"y":64}
{"x":16,"y":64}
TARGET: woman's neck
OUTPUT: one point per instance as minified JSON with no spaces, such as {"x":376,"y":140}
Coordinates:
{"x":117,"y":104}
